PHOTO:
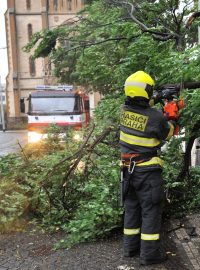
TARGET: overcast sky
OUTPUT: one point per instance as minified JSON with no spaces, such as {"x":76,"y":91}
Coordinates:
{"x":3,"y":52}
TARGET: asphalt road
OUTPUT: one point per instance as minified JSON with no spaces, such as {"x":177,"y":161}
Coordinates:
{"x":10,"y":141}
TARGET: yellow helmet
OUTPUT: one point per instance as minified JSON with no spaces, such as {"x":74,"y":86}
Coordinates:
{"x":139,"y":84}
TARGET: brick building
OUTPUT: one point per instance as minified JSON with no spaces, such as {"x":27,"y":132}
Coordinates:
{"x":23,"y":18}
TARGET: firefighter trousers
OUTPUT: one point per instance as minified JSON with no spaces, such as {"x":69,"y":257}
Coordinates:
{"x":144,"y":196}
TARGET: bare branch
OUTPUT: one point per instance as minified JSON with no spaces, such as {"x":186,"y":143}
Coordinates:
{"x":85,"y":44}
{"x":131,"y":9}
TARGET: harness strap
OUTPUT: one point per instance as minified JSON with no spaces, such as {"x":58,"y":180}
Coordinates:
{"x":138,"y":158}
{"x":130,"y":161}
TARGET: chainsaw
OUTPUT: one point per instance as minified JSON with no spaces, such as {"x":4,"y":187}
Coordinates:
{"x":172,"y":104}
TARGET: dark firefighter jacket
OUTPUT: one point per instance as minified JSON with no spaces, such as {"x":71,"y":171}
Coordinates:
{"x":143,"y":130}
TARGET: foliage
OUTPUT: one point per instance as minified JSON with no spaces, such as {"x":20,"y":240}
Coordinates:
{"x":43,"y":187}
{"x":99,"y":50}
{"x":183,"y":194}
{"x":191,"y":111}
{"x":14,"y":202}
{"x":40,"y":40}
{"x":98,"y":211}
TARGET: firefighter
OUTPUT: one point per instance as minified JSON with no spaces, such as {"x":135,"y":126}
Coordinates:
{"x":142,"y":132}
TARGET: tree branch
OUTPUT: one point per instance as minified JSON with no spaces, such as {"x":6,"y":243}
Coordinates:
{"x":86,"y":44}
{"x":131,"y":9}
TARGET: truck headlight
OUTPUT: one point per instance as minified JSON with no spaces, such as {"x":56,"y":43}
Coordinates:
{"x":77,"y":137}
{"x":34,"y":137}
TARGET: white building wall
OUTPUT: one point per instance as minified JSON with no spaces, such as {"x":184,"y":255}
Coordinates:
{"x":10,"y":86}
{"x":23,"y":57}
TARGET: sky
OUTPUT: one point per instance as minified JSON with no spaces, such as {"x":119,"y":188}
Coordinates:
{"x":3,"y":52}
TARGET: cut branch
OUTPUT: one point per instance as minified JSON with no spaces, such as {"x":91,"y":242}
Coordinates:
{"x":85,"y":150}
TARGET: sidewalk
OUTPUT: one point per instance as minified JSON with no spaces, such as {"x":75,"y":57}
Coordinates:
{"x":10,"y":140}
{"x":186,"y":236}
{"x":32,"y":250}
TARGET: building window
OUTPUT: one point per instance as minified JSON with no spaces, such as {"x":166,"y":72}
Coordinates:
{"x":28,"y":4}
{"x":69,"y":4}
{"x":32,"y":66}
{"x":30,"y":31}
{"x":55,"y":4}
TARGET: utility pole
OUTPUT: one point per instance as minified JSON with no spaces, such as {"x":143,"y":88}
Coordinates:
{"x":2,"y":107}
{"x":199,"y":26}
{"x":197,"y":141}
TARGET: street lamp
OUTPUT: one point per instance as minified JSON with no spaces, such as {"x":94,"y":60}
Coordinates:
{"x":1,"y":102}
{"x":198,"y":26}
{"x":2,"y":108}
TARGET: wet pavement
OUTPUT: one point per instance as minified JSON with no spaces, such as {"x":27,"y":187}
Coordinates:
{"x":11,"y":141}
{"x":33,"y":250}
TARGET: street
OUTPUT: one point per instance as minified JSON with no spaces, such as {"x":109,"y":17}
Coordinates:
{"x":10,"y":141}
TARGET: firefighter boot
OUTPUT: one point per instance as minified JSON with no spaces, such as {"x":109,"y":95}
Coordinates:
{"x":131,"y":245}
{"x":154,"y":258}
{"x":130,"y":254}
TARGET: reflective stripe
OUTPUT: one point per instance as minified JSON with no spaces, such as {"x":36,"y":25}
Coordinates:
{"x":138,"y":84}
{"x":131,"y":231}
{"x":150,"y":237}
{"x":131,"y":139}
{"x":152,"y":161}
{"x":171,"y":131}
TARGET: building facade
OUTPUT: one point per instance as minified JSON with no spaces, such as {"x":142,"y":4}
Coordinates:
{"x":24,"y":18}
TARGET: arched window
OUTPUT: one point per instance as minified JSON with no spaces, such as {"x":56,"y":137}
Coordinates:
{"x":69,"y":4}
{"x":28,"y":4}
{"x":55,"y":4}
{"x":32,"y":66}
{"x":30,"y":31}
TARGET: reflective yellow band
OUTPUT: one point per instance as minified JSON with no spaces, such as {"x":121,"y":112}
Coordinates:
{"x":152,"y":161}
{"x":131,"y":139}
{"x":131,"y":231}
{"x":139,"y":84}
{"x":150,"y":237}
{"x":171,"y":131}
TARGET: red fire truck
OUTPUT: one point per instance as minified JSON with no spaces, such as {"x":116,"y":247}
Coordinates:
{"x":62,"y":105}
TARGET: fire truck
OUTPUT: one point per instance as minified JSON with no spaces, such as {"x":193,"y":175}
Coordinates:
{"x":63,"y":105}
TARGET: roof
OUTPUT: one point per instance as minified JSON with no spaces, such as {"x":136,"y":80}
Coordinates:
{"x":51,"y":94}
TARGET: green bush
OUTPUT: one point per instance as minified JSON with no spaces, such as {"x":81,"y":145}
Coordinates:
{"x":83,"y":201}
{"x":14,"y":203}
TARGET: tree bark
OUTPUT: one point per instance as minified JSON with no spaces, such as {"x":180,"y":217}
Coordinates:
{"x":187,"y":156}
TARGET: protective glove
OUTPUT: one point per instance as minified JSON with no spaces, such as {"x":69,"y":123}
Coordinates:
{"x":157,"y":97}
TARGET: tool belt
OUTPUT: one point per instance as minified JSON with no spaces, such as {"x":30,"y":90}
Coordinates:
{"x":130,"y":160}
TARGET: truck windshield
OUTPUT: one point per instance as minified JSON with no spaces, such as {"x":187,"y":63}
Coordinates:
{"x":55,"y":105}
